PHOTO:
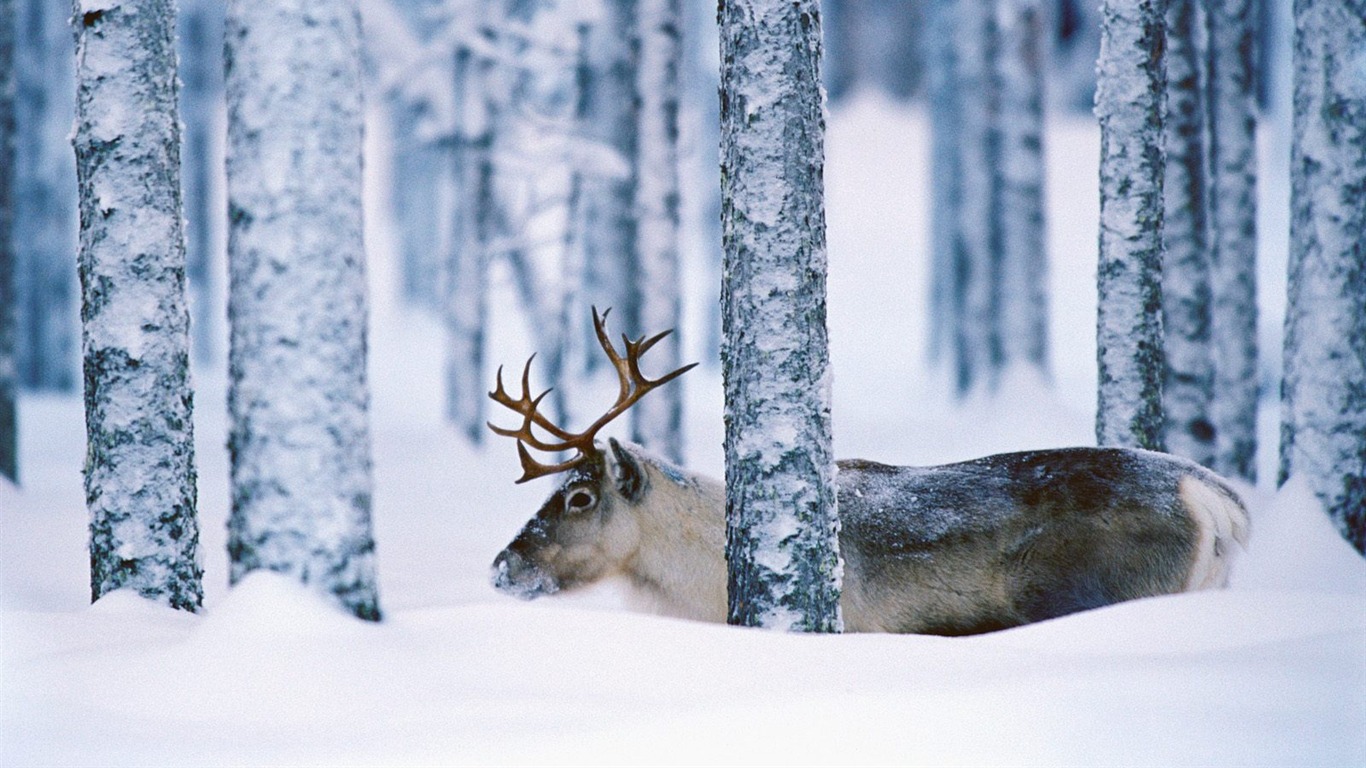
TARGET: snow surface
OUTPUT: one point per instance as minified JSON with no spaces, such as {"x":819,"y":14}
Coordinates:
{"x":1269,"y":672}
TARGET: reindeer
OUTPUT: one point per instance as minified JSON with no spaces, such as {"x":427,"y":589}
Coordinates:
{"x":956,"y":549}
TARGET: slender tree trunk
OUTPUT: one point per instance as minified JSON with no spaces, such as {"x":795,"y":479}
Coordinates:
{"x":658,"y":422}
{"x":139,"y":467}
{"x":1323,"y":397}
{"x":464,"y":304}
{"x":298,"y":396}
{"x":45,"y":221}
{"x":978,"y":235}
{"x":1129,"y":105}
{"x":1187,"y":389}
{"x":419,"y":166}
{"x":610,"y":231}
{"x":1023,"y":313}
{"x":782,"y":527}
{"x":9,"y":370}
{"x":201,"y":72}
{"x":1233,"y":235}
{"x":946,"y":192}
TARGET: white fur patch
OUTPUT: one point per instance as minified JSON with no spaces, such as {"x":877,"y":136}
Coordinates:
{"x":1220,"y":519}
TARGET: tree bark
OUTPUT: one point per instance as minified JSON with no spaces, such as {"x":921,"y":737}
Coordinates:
{"x":782,"y":527}
{"x":946,"y":192}
{"x":1023,"y":312}
{"x":139,"y":468}
{"x":44,"y":219}
{"x":1129,"y":105}
{"x":1188,"y":387}
{"x":1233,"y":235}
{"x":9,"y":370}
{"x":1323,"y":397}
{"x":658,"y":421}
{"x":464,"y":307}
{"x":298,"y":396}
{"x":609,"y":237}
{"x":977,"y":345}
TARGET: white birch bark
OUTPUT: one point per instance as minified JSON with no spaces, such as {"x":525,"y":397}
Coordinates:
{"x":298,"y":397}
{"x":1187,"y":388}
{"x":1323,"y":398}
{"x":9,"y":369}
{"x":609,"y":237}
{"x":1129,"y":105}
{"x":1023,"y":283}
{"x":45,"y":222}
{"x":139,"y":466}
{"x":658,"y":420}
{"x":977,"y":343}
{"x":946,"y":191}
{"x":1233,"y":235}
{"x":201,"y":60}
{"x":464,"y":307}
{"x":782,"y":527}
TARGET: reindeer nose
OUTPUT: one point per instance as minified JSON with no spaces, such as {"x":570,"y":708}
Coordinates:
{"x":506,"y":566}
{"x":520,"y":577}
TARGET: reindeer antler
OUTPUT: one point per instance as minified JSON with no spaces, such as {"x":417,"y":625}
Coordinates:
{"x":634,"y":386}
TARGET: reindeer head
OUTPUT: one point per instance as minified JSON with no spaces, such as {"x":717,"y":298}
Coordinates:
{"x":585,"y":530}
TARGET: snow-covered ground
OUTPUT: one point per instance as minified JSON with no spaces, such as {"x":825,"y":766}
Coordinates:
{"x":1269,"y":672}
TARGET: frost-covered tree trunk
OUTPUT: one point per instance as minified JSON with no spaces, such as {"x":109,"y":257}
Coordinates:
{"x":977,"y":343}
{"x":298,"y":397}
{"x":1023,"y":284}
{"x":464,"y":307}
{"x":609,"y":237}
{"x":139,"y":461}
{"x":1233,"y":235}
{"x":44,"y":205}
{"x":419,"y":163}
{"x":9,"y":371}
{"x":946,"y":191}
{"x":201,"y":67}
{"x":1323,"y":396}
{"x":782,"y":528}
{"x":1129,"y":105}
{"x":1187,"y":388}
{"x":658,"y":420}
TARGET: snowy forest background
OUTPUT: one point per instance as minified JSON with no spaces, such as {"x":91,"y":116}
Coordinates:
{"x":495,"y":148}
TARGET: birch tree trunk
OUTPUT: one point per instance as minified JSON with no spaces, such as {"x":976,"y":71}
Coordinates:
{"x":946,"y":193}
{"x":1129,"y":105}
{"x":201,"y":73}
{"x":1233,"y":235}
{"x":609,"y":239}
{"x":298,"y":397}
{"x":658,"y":422}
{"x":1023,"y":283}
{"x":464,"y":307}
{"x":977,"y":345}
{"x":782,"y":528}
{"x":1188,"y":387}
{"x":9,"y":370}
{"x":139,"y":466}
{"x":1323,"y":397}
{"x":44,"y":216}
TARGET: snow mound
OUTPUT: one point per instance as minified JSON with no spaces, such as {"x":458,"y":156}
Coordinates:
{"x":1295,"y":546}
{"x":272,"y":606}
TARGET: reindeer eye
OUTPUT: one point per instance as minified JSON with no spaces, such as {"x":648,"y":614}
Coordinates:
{"x":580,"y":500}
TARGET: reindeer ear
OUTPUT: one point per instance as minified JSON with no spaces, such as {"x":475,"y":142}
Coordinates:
{"x":627,"y":473}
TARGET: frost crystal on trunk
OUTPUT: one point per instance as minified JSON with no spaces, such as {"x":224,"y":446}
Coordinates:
{"x":139,"y":467}
{"x":782,"y":530}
